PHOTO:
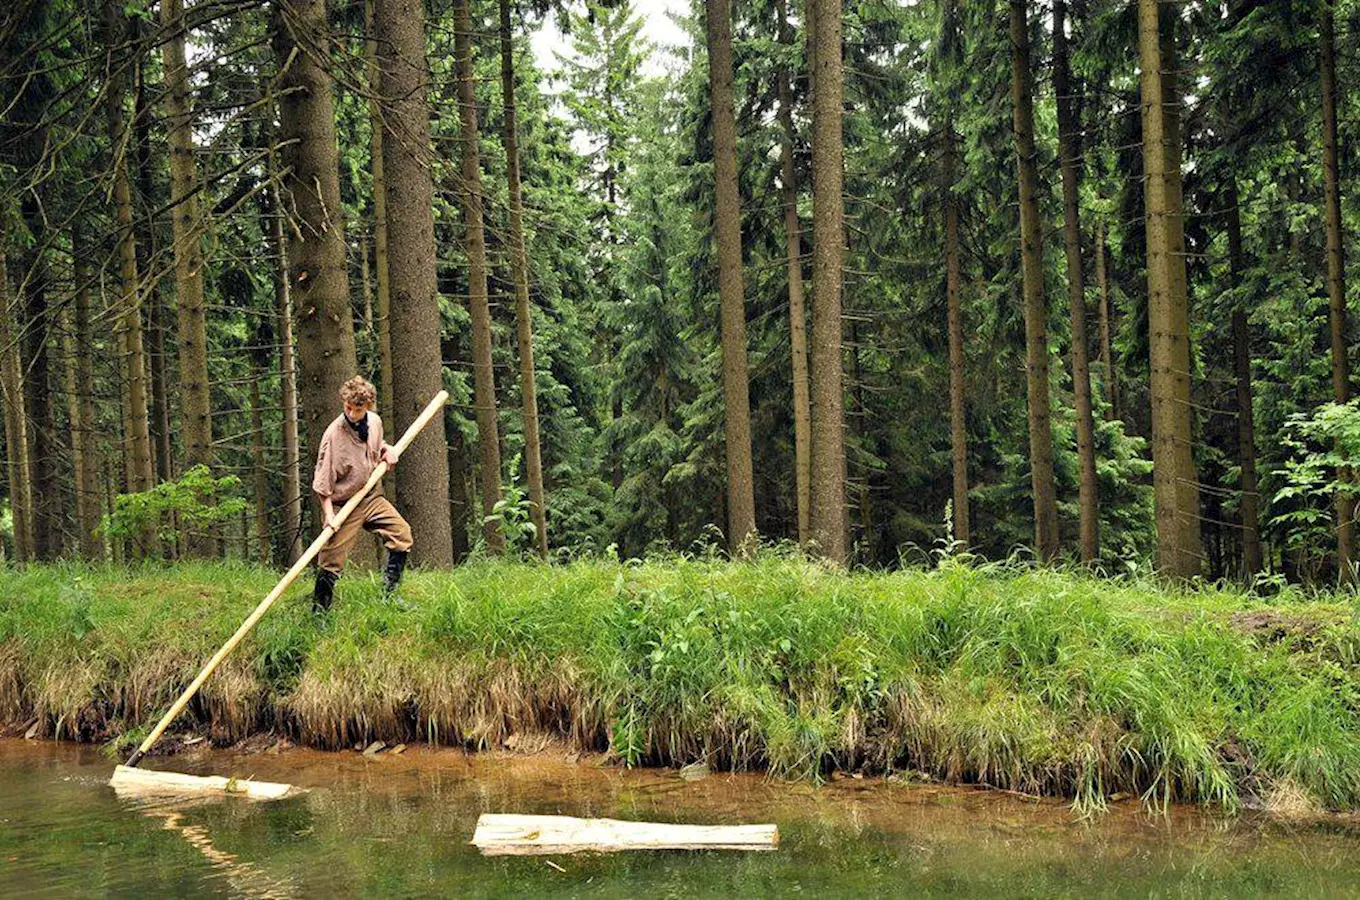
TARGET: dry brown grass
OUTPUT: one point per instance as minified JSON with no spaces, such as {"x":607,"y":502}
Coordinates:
{"x":1286,"y":798}
{"x":13,"y":707}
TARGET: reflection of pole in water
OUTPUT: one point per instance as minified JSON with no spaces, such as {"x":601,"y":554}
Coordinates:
{"x":245,"y":877}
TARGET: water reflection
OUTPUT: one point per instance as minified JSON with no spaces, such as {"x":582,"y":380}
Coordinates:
{"x":245,"y":878}
{"x":400,"y":826}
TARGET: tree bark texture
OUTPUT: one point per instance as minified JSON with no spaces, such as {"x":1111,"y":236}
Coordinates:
{"x":1035,"y":299}
{"x":283,"y":316}
{"x":262,"y":552}
{"x":417,"y":366}
{"x":1186,"y":475}
{"x":460,"y":472}
{"x":380,"y":256}
{"x":1176,"y":497}
{"x":44,"y":448}
{"x":153,"y":309}
{"x":798,"y":349}
{"x":1106,"y":325}
{"x":484,"y":378}
{"x":827,"y":522}
{"x":187,"y":228}
{"x":864,"y":546}
{"x":317,"y":274}
{"x":1336,"y":275}
{"x":16,"y":419}
{"x":1069,"y":149}
{"x":958,"y":431}
{"x":127,"y":307}
{"x":741,"y":509}
{"x":71,"y":390}
{"x":80,"y":406}
{"x":1249,"y":505}
{"x":366,"y":286}
{"x":110,"y":475}
{"x":519,"y":265}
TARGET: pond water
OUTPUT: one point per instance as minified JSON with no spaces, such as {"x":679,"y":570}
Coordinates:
{"x":399,"y":826}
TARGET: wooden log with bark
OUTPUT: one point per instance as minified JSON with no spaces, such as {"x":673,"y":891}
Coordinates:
{"x":516,"y":835}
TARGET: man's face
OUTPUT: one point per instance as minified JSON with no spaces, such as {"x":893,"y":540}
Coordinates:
{"x":355,"y":411}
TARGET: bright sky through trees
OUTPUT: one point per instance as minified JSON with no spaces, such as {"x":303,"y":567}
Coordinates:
{"x":658,"y":27}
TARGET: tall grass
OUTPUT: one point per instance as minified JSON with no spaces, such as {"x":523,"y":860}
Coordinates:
{"x":1025,"y":679}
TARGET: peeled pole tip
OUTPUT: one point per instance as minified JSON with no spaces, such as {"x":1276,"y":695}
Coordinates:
{"x":128,"y":780}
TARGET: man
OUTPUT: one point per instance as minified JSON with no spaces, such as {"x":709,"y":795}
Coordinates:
{"x":350,"y":450}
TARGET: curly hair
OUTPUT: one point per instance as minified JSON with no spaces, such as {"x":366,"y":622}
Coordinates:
{"x":358,"y":391}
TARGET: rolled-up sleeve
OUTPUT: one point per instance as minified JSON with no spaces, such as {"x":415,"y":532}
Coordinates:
{"x":323,"y":481}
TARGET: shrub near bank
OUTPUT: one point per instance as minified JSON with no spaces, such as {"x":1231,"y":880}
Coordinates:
{"x":1030,"y":680}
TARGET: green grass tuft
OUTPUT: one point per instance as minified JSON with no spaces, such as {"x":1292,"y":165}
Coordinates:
{"x":1031,"y":680}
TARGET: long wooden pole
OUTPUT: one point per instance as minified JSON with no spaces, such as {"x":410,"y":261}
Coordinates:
{"x":431,"y":410}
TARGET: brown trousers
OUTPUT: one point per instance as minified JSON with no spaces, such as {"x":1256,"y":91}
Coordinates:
{"x":375,"y":513}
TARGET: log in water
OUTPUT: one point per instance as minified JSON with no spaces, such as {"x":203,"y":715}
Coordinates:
{"x":128,"y":780}
{"x":515,"y":835}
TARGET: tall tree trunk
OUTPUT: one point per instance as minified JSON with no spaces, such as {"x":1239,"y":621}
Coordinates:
{"x":44,"y":449}
{"x":1246,"y":426}
{"x":245,"y":536}
{"x":859,"y":418}
{"x":366,"y":285}
{"x":16,"y":419}
{"x":28,"y":148}
{"x":798,"y":351}
{"x":317,"y":273}
{"x":1069,"y":149}
{"x":1171,"y":107}
{"x":519,"y":265}
{"x":1036,"y":301}
{"x":186,"y":223}
{"x":261,"y":470}
{"x":1336,"y":277}
{"x":117,"y":545}
{"x":1106,"y":327}
{"x":283,"y":316}
{"x":610,"y":342}
{"x":153,"y":308}
{"x":80,"y":404}
{"x":616,"y":467}
{"x":810,"y":45}
{"x":958,"y":433}
{"x":417,"y":366}
{"x":741,"y":508}
{"x":827,"y":521}
{"x":460,"y":495}
{"x":380,"y":256}
{"x":484,"y":377}
{"x":1176,"y":498}
{"x":136,"y":426}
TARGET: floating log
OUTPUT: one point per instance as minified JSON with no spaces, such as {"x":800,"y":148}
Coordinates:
{"x":515,"y":835}
{"x":131,"y":781}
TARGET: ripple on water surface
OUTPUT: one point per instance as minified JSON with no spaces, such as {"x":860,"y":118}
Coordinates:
{"x":393,"y":826}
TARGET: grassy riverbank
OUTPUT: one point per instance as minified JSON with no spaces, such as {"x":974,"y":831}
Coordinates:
{"x":1027,"y":680}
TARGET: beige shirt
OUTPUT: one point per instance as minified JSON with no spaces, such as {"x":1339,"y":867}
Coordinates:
{"x":343,"y":462}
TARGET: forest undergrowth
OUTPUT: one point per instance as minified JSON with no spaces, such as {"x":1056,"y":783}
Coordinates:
{"x":1028,"y":679}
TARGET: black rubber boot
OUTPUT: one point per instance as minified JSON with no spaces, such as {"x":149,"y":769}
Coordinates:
{"x":324,"y":591}
{"x":396,"y":564}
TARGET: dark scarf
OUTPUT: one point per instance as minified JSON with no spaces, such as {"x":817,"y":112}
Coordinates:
{"x":360,"y":427}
